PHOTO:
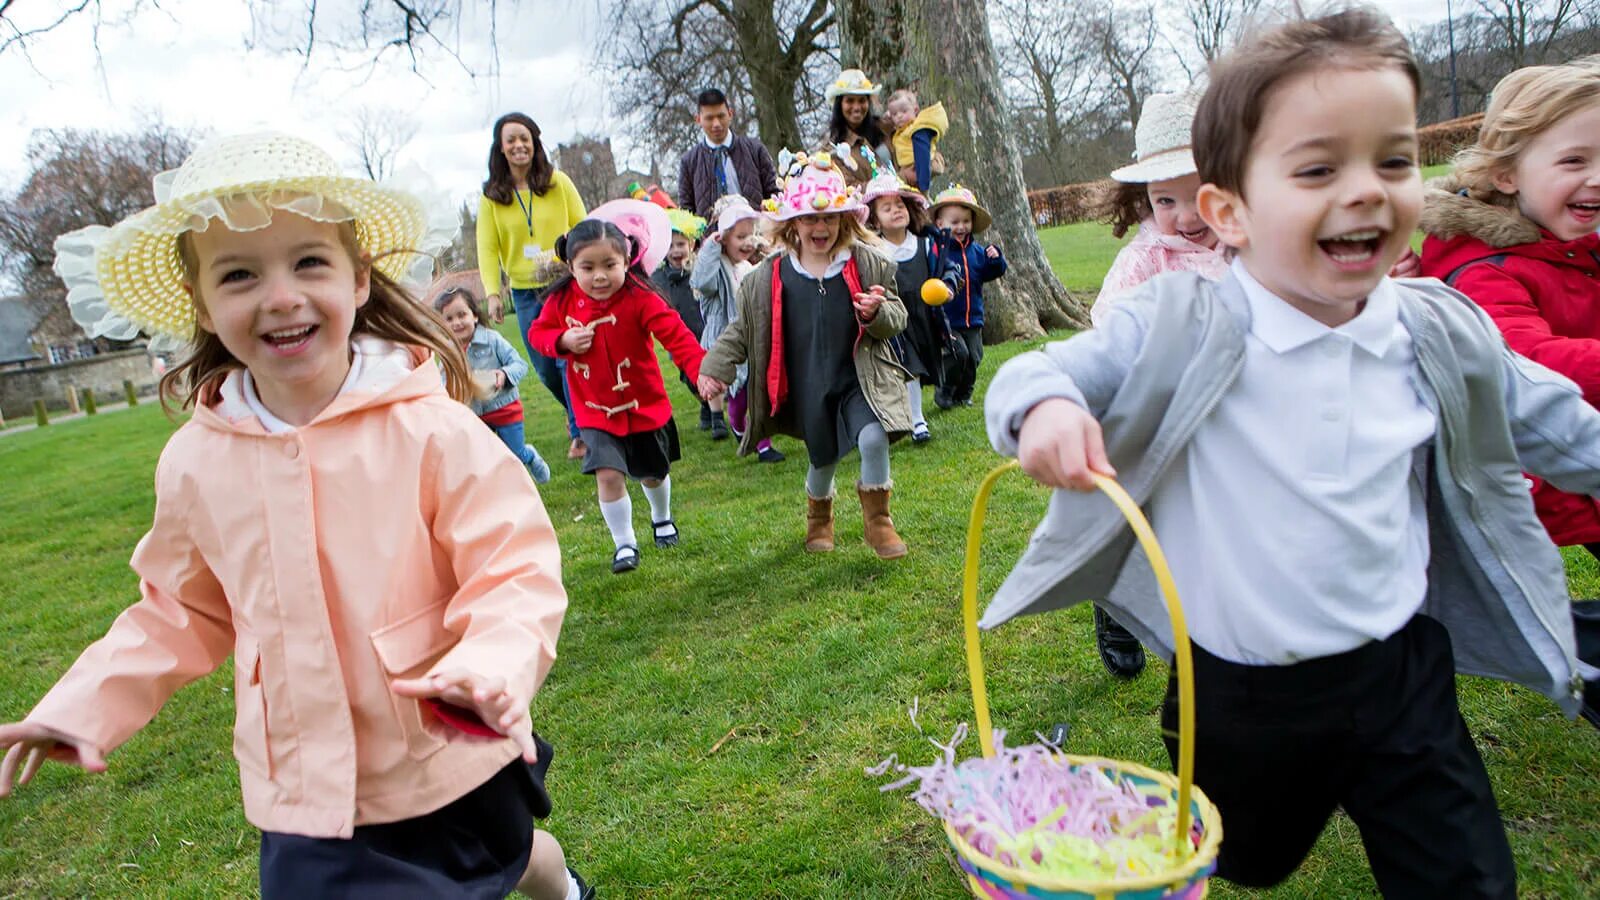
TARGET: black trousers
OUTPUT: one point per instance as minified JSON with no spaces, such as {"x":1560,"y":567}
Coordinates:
{"x":1375,"y":731}
{"x":960,"y":378}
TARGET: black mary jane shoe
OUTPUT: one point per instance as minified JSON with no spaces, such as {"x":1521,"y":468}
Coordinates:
{"x":670,"y":539}
{"x":1119,"y":649}
{"x":626,"y":559}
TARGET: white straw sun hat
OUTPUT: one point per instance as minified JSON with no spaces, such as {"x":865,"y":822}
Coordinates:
{"x":851,"y":81}
{"x":128,"y":278}
{"x":1161,"y":140}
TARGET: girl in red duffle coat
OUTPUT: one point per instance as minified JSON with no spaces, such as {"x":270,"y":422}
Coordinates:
{"x":600,"y":318}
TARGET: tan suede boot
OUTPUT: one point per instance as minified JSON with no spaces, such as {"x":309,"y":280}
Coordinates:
{"x":880,"y":534}
{"x":819,"y":525}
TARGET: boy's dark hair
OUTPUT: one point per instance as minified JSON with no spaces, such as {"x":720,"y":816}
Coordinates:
{"x":710,"y":97}
{"x":499,"y":186}
{"x":1242,"y":82}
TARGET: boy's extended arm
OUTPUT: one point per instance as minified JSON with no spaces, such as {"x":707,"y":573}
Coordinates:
{"x":1086,"y":369}
{"x":1556,"y":431}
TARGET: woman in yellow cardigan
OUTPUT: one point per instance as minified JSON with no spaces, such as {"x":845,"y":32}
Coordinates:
{"x":526,"y":205}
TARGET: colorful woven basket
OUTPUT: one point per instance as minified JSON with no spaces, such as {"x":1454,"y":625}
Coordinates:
{"x":1199,"y":832}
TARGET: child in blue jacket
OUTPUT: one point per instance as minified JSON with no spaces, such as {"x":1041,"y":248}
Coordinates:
{"x":958,"y":216}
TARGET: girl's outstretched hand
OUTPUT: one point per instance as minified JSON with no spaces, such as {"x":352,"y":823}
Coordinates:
{"x":30,"y":745}
{"x":500,"y":709}
{"x":1059,"y":444}
{"x":710,"y":388}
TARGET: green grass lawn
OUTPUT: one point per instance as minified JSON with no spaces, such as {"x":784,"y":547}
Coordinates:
{"x":712,"y":712}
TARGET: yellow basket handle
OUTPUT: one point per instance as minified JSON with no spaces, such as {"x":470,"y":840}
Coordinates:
{"x":1169,"y":591}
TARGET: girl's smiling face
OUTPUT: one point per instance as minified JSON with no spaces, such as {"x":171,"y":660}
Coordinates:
{"x":516,"y":142}
{"x":855,"y":108}
{"x":599,"y":269}
{"x":740,"y":241}
{"x":891,"y":214}
{"x":1176,"y":213}
{"x":282,"y":299}
{"x":818,"y":234}
{"x":1556,"y":179}
{"x":460,"y":318}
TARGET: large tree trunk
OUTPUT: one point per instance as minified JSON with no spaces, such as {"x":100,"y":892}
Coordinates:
{"x":942,"y":49}
{"x":772,"y":73}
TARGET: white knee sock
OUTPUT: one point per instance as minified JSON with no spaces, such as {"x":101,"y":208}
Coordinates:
{"x":572,"y":887}
{"x":619,"y":518}
{"x":660,"y":498}
{"x":914,"y":394}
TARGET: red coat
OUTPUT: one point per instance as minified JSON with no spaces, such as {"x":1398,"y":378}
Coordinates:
{"x":616,"y":386}
{"x":1543,"y":293}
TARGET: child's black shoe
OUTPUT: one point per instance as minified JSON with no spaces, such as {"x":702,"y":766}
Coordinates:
{"x":1119,"y":649}
{"x":584,"y":891}
{"x":626,"y":559}
{"x":666,"y":533}
{"x":719,"y":427}
{"x":770,"y":455}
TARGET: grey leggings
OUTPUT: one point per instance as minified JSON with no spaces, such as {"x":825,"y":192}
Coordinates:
{"x":873,"y":442}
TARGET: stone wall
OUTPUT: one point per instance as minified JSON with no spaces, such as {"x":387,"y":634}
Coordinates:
{"x":102,"y":374}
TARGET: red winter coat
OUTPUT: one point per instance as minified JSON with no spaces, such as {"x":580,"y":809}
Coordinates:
{"x":616,"y":386}
{"x":1542,"y":292}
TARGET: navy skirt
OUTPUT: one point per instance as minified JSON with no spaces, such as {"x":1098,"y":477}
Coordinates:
{"x":474,"y":847}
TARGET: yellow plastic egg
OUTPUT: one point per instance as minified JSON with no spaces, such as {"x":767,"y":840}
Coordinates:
{"x":936,"y":292}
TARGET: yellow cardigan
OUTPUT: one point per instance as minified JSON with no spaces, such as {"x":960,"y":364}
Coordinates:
{"x":930,"y":117}
{"x":504,"y":230}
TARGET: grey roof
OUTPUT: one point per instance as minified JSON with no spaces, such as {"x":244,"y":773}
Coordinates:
{"x":17,"y":321}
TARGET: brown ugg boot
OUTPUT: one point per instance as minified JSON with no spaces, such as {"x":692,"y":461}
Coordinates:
{"x":819,"y":525}
{"x":880,"y":534}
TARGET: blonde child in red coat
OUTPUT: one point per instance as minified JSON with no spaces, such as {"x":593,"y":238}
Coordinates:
{"x":600,"y":318}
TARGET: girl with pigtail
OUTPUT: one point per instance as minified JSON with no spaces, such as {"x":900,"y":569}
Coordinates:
{"x":600,"y":317}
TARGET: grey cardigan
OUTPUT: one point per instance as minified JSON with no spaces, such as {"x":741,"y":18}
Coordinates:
{"x":712,"y":280}
{"x":1162,"y":362}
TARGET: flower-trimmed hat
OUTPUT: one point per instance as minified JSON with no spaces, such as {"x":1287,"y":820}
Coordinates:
{"x":815,"y":187}
{"x":686,"y":223}
{"x":1162,"y":146}
{"x":956,"y":195}
{"x":886,"y":184}
{"x":851,"y":81}
{"x":128,"y":278}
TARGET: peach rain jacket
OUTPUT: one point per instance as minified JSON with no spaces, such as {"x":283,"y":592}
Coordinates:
{"x":392,"y":536}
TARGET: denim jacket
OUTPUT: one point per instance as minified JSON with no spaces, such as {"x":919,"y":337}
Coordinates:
{"x":1164,"y":359}
{"x":489,"y":351}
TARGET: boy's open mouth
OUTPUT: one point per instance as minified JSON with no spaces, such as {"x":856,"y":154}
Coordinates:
{"x":290,"y":339}
{"x":1353,"y":248}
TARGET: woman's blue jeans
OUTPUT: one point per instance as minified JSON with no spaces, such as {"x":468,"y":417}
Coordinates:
{"x":553,"y":372}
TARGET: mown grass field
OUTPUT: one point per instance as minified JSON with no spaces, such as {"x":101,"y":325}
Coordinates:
{"x":712,"y":712}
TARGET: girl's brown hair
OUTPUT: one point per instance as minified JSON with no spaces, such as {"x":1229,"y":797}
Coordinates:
{"x":1122,"y":205}
{"x":917,"y":216}
{"x":389,"y":313}
{"x":1523,"y":105}
{"x":851,"y":231}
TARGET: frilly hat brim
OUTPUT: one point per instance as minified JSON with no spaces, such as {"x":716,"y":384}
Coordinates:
{"x":128,"y":279}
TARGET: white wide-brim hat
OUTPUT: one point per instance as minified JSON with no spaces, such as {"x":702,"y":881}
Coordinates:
{"x":128,"y":279}
{"x":851,"y":81}
{"x":888,"y":184}
{"x":1162,"y":146}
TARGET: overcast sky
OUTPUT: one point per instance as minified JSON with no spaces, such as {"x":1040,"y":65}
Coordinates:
{"x":187,"y":64}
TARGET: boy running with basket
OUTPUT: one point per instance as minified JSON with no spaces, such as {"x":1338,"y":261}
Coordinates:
{"x":1333,"y":462}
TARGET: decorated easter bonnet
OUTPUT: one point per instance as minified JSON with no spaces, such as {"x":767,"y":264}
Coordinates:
{"x":888,"y":184}
{"x":730,"y":210}
{"x":646,"y":223}
{"x":1161,"y":141}
{"x":686,"y":223}
{"x":128,"y":279}
{"x":956,"y":195}
{"x":851,"y":81}
{"x":813,"y":186}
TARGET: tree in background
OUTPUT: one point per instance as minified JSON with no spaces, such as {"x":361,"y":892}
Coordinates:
{"x":75,"y":179}
{"x":942,"y":48}
{"x":377,"y":135}
{"x":770,"y":57}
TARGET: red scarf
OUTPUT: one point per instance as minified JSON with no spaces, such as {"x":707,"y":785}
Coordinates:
{"x":777,"y":376}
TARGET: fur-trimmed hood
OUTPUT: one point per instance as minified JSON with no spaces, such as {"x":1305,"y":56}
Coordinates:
{"x":1448,"y":213}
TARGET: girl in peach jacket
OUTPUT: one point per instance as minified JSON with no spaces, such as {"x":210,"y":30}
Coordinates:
{"x":376,"y":562}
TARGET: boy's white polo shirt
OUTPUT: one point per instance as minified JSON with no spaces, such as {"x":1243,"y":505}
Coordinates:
{"x":1292,"y":520}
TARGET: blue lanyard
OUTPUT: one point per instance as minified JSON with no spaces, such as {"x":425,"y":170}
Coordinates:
{"x":527,"y":208}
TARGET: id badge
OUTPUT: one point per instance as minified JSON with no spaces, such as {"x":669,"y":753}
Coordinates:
{"x":530,"y":251}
